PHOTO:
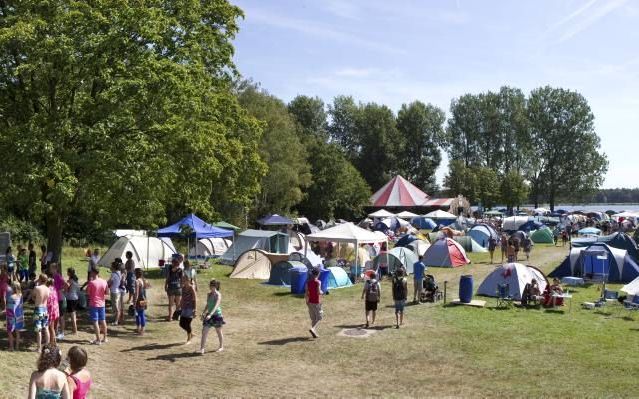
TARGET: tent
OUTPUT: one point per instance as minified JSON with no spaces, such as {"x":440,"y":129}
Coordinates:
{"x":281,"y":272}
{"x":254,"y":264}
{"x":347,"y":233}
{"x":590,"y":230}
{"x":598,"y":259}
{"x":198,"y":229}
{"x":268,"y":241}
{"x":398,"y":192}
{"x":493,"y":213}
{"x":516,"y":276}
{"x":225,"y":225}
{"x":469,"y":244}
{"x":396,"y":257}
{"x":210,"y":247}
{"x":514,"y":222}
{"x":296,"y":239}
{"x":405,"y":240}
{"x":542,"y":236}
{"x":418,"y":246}
{"x":382,"y":213}
{"x":275,"y":220}
{"x":445,"y":252}
{"x":439,"y":214}
{"x":423,"y":223}
{"x":531,"y":225}
{"x":338,"y":278}
{"x":407,"y":215}
{"x":616,"y":240}
{"x":482,"y":234}
{"x":311,"y":259}
{"x":147,"y":251}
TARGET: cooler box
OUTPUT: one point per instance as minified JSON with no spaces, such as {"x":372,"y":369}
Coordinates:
{"x":298,"y":280}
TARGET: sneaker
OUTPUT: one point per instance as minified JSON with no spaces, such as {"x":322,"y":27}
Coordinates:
{"x":95,"y":342}
{"x":366,"y":325}
{"x":60,"y":336}
{"x":313,"y":333}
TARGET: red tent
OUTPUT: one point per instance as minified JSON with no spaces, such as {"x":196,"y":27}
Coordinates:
{"x":399,"y":192}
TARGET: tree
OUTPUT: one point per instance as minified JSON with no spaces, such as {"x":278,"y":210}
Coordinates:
{"x":310,"y":114}
{"x":462,"y":132}
{"x":342,"y":130}
{"x":514,"y":189}
{"x":120,"y":111}
{"x":288,"y":170}
{"x":422,"y":129}
{"x":567,"y":158}
{"x":488,"y":190}
{"x":461,"y":180}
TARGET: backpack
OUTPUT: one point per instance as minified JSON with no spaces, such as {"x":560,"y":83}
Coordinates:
{"x":399,"y":291}
{"x":372,"y":291}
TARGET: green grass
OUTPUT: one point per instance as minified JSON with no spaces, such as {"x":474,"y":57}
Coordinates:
{"x":442,"y":350}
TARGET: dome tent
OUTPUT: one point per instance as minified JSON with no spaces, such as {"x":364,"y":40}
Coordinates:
{"x":281,"y":272}
{"x":338,"y":278}
{"x":469,"y":244}
{"x":482,"y":233}
{"x":516,"y":276}
{"x":542,"y":236}
{"x":423,"y":223}
{"x":396,"y":257}
{"x":418,"y":246}
{"x":210,"y":247}
{"x":598,"y":259}
{"x":147,"y":251}
{"x":405,"y":240}
{"x":445,"y":252}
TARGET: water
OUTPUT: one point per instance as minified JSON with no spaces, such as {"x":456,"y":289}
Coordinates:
{"x":590,"y":207}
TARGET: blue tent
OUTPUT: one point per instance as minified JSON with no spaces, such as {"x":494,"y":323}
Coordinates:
{"x":198,"y":229}
{"x":275,"y":220}
{"x":616,"y":240}
{"x":405,"y":240}
{"x":598,"y":259}
{"x":423,"y":223}
{"x":482,"y":233}
{"x":381,"y":226}
{"x":531,"y":225}
{"x":338,"y":278}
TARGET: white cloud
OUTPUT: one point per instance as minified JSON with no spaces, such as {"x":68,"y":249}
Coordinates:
{"x":583,"y":18}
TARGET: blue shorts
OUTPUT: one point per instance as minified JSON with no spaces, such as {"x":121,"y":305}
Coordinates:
{"x":40,"y":318}
{"x":399,"y":305}
{"x":97,"y":314}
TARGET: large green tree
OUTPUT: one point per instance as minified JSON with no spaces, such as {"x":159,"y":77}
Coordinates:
{"x":310,"y":115}
{"x":567,"y":158}
{"x":422,"y":128}
{"x":514,"y":189}
{"x":344,"y":114}
{"x":121,"y":110}
{"x":281,"y":148}
{"x":461,"y":179}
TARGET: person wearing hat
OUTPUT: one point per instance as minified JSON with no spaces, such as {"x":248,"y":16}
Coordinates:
{"x":313,"y":296}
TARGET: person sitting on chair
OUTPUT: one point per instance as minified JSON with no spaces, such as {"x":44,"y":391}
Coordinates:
{"x":549,"y":295}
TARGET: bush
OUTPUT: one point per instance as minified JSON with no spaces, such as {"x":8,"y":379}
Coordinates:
{"x":21,"y":231}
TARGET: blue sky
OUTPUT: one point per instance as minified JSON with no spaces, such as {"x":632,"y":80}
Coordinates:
{"x":395,"y":52}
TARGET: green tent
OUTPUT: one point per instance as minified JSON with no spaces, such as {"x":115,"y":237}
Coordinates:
{"x":469,"y":244}
{"x":225,"y":225}
{"x":542,"y":236}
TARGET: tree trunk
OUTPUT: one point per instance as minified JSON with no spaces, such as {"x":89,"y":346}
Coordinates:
{"x":54,"y":236}
{"x":551,"y":199}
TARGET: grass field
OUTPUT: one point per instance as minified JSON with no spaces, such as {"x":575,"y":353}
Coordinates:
{"x":441,"y":351}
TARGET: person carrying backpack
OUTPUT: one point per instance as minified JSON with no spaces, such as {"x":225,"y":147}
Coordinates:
{"x":400,"y":293}
{"x":372,"y":294}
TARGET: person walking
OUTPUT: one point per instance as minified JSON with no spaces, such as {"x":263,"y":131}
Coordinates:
{"x":372,"y":294}
{"x":97,"y":289}
{"x":47,"y":382}
{"x":129,"y":267}
{"x":212,"y":316}
{"x":114,"y":283}
{"x":400,"y":294}
{"x":527,"y":244}
{"x":503,"y":241}
{"x":40,"y":296}
{"x":313,"y":297}
{"x":191,"y":273}
{"x":419,"y":269}
{"x":188,"y":306}
{"x":73,"y":296}
{"x":78,"y":377}
{"x":492,"y":245}
{"x":53,"y":310}
{"x":139,"y":301}
{"x":173,"y":288}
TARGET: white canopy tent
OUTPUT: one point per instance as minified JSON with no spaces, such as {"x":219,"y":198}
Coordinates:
{"x":348,"y":233}
{"x":382,"y":213}
{"x":406,"y":215}
{"x":439,"y":214}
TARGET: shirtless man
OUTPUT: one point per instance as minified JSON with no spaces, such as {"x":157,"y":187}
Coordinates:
{"x":40,"y":295}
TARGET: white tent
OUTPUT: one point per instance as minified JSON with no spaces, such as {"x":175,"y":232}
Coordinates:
{"x":439,"y":214}
{"x":207,"y":247}
{"x":632,"y":288}
{"x":347,"y":233}
{"x":626,"y":214}
{"x":147,"y":251}
{"x":516,"y":276}
{"x":129,"y":233}
{"x":269,"y":241}
{"x":419,"y":247}
{"x":406,"y":215}
{"x":514,"y":222}
{"x":382,"y":213}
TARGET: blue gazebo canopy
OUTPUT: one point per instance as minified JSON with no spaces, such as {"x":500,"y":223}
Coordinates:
{"x":275,"y":220}
{"x":199,"y":229}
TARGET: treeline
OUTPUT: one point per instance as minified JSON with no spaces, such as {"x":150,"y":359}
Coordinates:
{"x":150,"y":119}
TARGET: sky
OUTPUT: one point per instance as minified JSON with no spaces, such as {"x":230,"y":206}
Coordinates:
{"x":396,"y":52}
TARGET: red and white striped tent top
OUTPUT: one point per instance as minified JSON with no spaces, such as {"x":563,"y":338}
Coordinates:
{"x":399,"y":192}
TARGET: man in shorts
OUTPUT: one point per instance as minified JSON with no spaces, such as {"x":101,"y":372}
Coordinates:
{"x":419,"y":269}
{"x":313,"y":296}
{"x":373,"y":294}
{"x":400,"y":293}
{"x":97,"y":289}
{"x":40,"y":295}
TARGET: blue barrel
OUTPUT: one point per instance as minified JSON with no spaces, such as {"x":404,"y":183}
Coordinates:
{"x":298,"y":280}
{"x":466,"y":288}
{"x":323,"y":277}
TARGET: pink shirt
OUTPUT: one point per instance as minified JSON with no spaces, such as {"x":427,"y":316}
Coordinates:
{"x":58,"y":283}
{"x":97,"y":290}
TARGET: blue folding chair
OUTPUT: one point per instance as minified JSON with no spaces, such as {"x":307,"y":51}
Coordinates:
{"x":504,"y":299}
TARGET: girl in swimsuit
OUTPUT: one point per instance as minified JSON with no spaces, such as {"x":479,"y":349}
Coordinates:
{"x":79,"y":378}
{"x":48,"y":382}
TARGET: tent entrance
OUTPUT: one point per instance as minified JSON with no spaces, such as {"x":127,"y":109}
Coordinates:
{"x":595,"y":265}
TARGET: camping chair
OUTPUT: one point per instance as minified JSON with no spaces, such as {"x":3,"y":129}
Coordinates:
{"x":527,"y":299}
{"x":611,"y":296}
{"x":633,"y":304}
{"x":503,"y":296}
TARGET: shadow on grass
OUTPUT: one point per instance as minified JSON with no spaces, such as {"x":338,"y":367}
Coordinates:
{"x":288,"y":293}
{"x":555,"y":311}
{"x":285,"y":341}
{"x":363,"y":327}
{"x":600,"y":312}
{"x":152,"y":347}
{"x":172,"y":357}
